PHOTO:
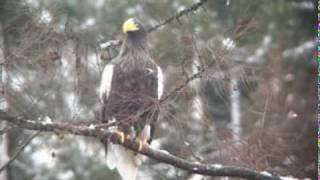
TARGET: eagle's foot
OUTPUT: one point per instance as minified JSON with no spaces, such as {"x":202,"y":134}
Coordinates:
{"x":120,"y":135}
{"x":141,"y":142}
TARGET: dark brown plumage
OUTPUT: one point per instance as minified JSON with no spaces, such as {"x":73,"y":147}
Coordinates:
{"x":130,"y":88}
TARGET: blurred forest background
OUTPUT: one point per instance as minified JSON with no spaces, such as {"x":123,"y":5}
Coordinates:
{"x":254,"y":106}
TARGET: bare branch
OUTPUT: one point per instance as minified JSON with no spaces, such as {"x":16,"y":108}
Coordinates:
{"x":186,"y":11}
{"x":159,"y":155}
{"x":181,"y":13}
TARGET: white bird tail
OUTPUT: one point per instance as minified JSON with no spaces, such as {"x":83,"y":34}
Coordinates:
{"x":125,"y":161}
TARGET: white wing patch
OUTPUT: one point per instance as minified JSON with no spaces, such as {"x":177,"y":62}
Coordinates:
{"x":160,"y":82}
{"x":106,"y":80}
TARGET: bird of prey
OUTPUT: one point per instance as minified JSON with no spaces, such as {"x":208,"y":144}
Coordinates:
{"x":131,"y":86}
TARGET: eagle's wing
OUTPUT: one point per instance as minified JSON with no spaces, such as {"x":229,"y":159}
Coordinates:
{"x":105,"y":86}
{"x":159,"y":93}
{"x":104,"y":91}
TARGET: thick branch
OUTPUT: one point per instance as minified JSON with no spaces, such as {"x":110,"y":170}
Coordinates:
{"x":159,"y":155}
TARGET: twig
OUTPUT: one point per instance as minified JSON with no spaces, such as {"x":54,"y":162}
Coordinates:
{"x":181,"y":13}
{"x":20,"y":149}
{"x":159,"y":155}
{"x":192,"y":8}
{"x":191,"y":78}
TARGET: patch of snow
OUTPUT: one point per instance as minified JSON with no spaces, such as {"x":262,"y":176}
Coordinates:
{"x":196,"y":177}
{"x":291,"y":178}
{"x":45,"y":17}
{"x":299,"y":50}
{"x":92,"y":127}
{"x":164,"y":151}
{"x":30,"y":121}
{"x":186,"y":143}
{"x":217,"y":166}
{"x":47,"y":120}
{"x":266,"y":173}
{"x":228,"y":43}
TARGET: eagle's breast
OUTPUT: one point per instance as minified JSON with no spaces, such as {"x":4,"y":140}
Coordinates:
{"x":134,"y":92}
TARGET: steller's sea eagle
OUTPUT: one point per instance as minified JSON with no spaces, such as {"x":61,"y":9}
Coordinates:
{"x":131,"y":86}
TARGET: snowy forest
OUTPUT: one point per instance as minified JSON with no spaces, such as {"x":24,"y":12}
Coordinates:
{"x":239,"y":97}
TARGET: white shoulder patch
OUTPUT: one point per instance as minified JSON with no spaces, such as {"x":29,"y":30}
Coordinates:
{"x":160,"y":82}
{"x":106,"y":80}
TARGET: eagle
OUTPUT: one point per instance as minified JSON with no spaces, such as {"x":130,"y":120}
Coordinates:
{"x":130,"y":89}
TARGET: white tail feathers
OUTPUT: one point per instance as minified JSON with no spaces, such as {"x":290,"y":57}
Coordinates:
{"x":124,"y":160}
{"x":111,"y":157}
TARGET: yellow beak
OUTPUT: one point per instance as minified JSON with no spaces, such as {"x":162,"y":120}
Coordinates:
{"x":129,"y":26}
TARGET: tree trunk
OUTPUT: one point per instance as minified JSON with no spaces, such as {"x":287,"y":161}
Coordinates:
{"x":235,"y":123}
{"x":14,"y":17}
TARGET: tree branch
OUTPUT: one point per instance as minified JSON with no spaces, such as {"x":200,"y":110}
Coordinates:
{"x":176,"y":16}
{"x":159,"y":155}
{"x":20,"y":149}
{"x":188,"y":10}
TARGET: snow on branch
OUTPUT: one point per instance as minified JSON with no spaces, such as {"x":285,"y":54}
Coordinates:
{"x":300,"y":50}
{"x":213,"y":170}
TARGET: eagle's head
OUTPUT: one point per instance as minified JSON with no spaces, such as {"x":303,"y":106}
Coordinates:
{"x":135,"y":34}
{"x":131,"y":26}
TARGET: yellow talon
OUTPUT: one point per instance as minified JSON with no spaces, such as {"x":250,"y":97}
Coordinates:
{"x":121,"y":136}
{"x":141,"y":142}
{"x":140,"y":146}
{"x":128,"y":136}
